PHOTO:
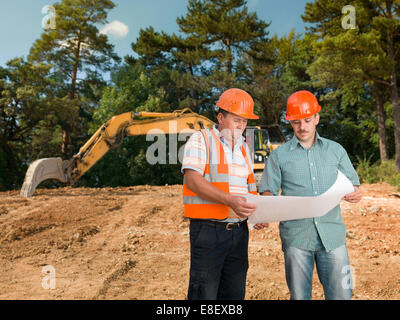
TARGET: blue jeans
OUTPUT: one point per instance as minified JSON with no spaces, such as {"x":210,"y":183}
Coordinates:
{"x":333,"y":269}
{"x":218,"y":261}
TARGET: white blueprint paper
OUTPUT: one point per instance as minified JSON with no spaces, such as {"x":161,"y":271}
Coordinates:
{"x":283,"y":208}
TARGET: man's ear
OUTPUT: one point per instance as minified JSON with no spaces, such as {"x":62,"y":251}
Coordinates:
{"x":317,"y":118}
{"x":220,"y":117}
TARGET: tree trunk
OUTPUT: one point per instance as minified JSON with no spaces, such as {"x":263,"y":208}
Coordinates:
{"x":66,"y":147}
{"x":396,"y":117}
{"x":194,"y":92}
{"x":395,"y":99}
{"x":393,"y":86}
{"x":11,"y":168}
{"x":381,"y":117}
{"x":229,"y":57}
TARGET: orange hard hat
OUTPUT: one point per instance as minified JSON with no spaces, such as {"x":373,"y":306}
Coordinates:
{"x":238,"y":102}
{"x":302,"y":104}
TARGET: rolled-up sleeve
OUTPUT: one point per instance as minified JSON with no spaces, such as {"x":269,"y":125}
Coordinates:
{"x":346,"y":167}
{"x":195,"y":154}
{"x":271,"y":177}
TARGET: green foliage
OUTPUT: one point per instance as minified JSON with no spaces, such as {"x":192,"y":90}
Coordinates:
{"x":75,"y":44}
{"x":52,"y":103}
{"x":128,"y":166}
{"x":132,"y":90}
{"x":378,"y":172}
{"x":206,"y":58}
{"x":76,"y":53}
{"x":3,"y":172}
{"x":23,"y":106}
{"x":350,"y":61}
{"x":226,"y":27}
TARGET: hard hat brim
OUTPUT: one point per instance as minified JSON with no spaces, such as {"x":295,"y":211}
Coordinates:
{"x":249,"y":116}
{"x":302,"y":116}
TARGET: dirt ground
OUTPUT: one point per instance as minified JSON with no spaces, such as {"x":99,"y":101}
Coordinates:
{"x":133,"y":243}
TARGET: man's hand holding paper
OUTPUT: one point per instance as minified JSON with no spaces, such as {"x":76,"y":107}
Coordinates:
{"x":283,"y":208}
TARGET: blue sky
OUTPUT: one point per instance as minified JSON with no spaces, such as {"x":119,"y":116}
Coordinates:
{"x":21,"y":21}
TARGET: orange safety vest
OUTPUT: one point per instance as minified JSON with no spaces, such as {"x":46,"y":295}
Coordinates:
{"x":217,"y":173}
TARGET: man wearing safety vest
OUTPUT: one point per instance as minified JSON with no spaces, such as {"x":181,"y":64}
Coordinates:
{"x":308,"y":165}
{"x":217,"y":174}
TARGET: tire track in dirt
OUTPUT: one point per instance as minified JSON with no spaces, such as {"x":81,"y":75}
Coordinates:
{"x":120,"y":272}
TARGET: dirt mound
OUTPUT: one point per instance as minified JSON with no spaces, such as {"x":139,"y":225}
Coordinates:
{"x":133,"y":243}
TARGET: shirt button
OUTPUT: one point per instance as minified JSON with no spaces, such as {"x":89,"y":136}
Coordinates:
{"x":315,"y":192}
{"x":313,"y":178}
{"x":311,"y":163}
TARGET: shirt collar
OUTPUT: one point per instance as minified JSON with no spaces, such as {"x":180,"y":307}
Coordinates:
{"x":296,"y":142}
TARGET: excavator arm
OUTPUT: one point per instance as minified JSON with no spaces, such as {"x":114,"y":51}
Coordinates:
{"x":110,"y":136}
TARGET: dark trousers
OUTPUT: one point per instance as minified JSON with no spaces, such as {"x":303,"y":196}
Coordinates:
{"x":218,"y":261}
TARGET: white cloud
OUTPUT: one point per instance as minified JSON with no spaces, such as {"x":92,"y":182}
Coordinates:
{"x":116,"y":29}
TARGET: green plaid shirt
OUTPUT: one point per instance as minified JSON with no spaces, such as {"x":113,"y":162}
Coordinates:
{"x":309,"y":172}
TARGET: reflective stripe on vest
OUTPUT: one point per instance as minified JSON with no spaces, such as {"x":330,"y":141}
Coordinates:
{"x":217,"y":173}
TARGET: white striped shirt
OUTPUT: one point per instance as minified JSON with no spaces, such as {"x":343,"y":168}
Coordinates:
{"x":195,"y":158}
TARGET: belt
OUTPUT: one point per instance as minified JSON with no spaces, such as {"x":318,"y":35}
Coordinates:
{"x":225,"y":225}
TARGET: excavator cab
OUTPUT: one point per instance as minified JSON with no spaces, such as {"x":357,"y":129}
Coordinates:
{"x":262,"y":148}
{"x":262,"y":140}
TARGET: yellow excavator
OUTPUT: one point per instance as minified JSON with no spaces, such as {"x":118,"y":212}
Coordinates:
{"x":111,"y":134}
{"x":266,"y":139}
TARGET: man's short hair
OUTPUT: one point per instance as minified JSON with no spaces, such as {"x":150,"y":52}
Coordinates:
{"x":224,"y":112}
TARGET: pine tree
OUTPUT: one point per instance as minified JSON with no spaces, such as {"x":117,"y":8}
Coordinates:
{"x":23,"y":88}
{"x":367,"y":53}
{"x":75,"y":49}
{"x":214,"y":37}
{"x":226,"y":27}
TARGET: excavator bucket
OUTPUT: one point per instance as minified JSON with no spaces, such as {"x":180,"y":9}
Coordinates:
{"x":40,"y":170}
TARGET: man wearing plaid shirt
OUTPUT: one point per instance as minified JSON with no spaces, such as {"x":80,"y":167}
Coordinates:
{"x":307,"y":165}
